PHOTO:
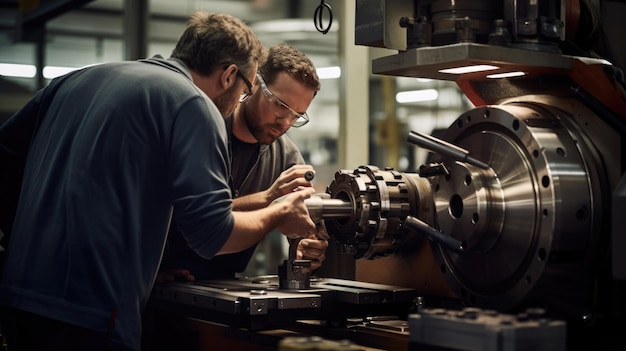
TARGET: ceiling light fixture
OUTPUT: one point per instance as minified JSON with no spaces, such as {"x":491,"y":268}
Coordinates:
{"x":404,"y":97}
{"x":331,"y":72}
{"x":17,"y":70}
{"x":506,"y":75}
{"x":468,"y":69}
{"x":51,"y":72}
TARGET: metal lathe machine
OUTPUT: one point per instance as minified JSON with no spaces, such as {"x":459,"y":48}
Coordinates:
{"x":512,"y":235}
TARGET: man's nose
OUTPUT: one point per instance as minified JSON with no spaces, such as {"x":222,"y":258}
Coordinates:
{"x":284,"y":121}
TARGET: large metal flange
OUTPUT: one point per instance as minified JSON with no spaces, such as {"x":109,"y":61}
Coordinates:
{"x":512,"y":216}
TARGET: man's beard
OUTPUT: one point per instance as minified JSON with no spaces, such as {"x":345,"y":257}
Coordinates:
{"x":260,"y":132}
{"x":227,"y":101}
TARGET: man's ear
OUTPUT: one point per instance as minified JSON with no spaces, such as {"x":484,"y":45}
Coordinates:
{"x":228,"y":76}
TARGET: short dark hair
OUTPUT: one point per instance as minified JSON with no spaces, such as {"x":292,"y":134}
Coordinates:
{"x":213,"y":39}
{"x":285,"y":58}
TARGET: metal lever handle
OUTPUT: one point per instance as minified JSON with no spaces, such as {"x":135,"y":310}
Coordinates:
{"x":422,"y":228}
{"x":444,"y":148}
{"x":294,"y":273}
{"x":293,"y":248}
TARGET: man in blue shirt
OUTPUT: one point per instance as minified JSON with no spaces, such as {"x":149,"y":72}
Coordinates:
{"x":117,"y":148}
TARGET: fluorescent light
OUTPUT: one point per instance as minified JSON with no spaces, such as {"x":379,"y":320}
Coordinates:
{"x":424,"y":80}
{"x":51,"y":72}
{"x":15,"y":70}
{"x":29,"y":71}
{"x":507,"y":74}
{"x":468,"y":69}
{"x":329,"y":72}
{"x":417,"y":95}
{"x":282,"y":26}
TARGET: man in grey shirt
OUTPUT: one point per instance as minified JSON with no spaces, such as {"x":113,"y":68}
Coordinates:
{"x":266,"y":164}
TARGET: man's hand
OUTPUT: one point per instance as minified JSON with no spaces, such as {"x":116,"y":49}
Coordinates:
{"x":171,"y":275}
{"x":288,"y":181}
{"x":298,"y":223}
{"x":314,"y":247}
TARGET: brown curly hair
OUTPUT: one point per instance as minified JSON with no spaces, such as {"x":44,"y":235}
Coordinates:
{"x":285,"y":58}
{"x":214,"y":39}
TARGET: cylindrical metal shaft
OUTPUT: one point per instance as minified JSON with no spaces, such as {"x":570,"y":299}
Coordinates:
{"x":326,"y":208}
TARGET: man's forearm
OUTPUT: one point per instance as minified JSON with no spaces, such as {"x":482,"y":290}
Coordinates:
{"x":251,"y":226}
{"x":251,"y":202}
